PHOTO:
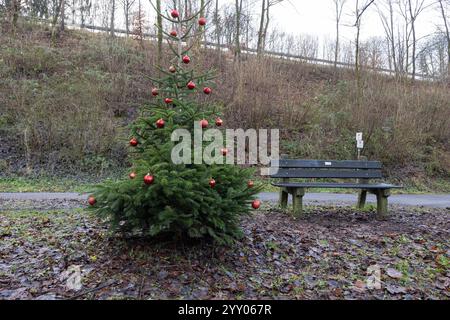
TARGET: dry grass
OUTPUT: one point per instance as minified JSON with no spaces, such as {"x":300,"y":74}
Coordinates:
{"x":66,"y":108}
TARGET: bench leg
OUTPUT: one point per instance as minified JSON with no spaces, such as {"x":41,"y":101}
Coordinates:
{"x":382,"y":203}
{"x":297,"y":199}
{"x":362,"y":199}
{"x":284,"y":198}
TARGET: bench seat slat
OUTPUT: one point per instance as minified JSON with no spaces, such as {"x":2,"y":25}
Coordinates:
{"x":331,"y":164}
{"x":336,"y":185}
{"x":322,"y":173}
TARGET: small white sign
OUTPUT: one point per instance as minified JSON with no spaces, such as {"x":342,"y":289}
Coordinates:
{"x":359,"y":136}
{"x":328,"y":163}
{"x":360,"y":144}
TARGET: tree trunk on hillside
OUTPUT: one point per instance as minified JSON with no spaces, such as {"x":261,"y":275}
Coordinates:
{"x":160,"y":31}
{"x":127,"y":6}
{"x":113,"y":12}
{"x":63,"y":16}
{"x":413,"y":29}
{"x":259,"y":47}
{"x":56,"y":15}
{"x":339,"y":6}
{"x":447,"y":35}
{"x":404,"y":11}
{"x":266,"y":27}
{"x":217,"y":25}
{"x":391,"y":23}
{"x":85,"y":10}
{"x":389,"y":29}
{"x":237,"y":51}
{"x":359,"y":12}
{"x":264,"y":23}
{"x":74,"y":10}
{"x":414,"y":13}
{"x":15,"y":11}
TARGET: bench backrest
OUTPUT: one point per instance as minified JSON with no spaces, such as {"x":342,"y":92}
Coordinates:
{"x":347,"y":169}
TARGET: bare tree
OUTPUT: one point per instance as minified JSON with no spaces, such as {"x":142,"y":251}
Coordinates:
{"x":339,"y":9}
{"x":442,"y":7}
{"x":63,"y":16}
{"x":238,"y":7}
{"x":264,"y":22}
{"x":359,"y":12}
{"x":415,"y":7}
{"x":14,"y":11}
{"x":113,"y":12}
{"x":127,"y":5}
{"x":85,"y":11}
{"x":59,"y":11}
{"x":159,"y":26}
{"x":360,"y":9}
{"x":388,"y":25}
{"x":217,"y":24}
{"x":139,"y":24}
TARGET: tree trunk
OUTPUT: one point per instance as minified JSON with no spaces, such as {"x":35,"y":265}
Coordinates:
{"x":413,"y":29}
{"x":15,"y":9}
{"x":113,"y":11}
{"x":266,"y":27}
{"x":237,"y":52}
{"x":73,"y":11}
{"x":63,"y":16}
{"x":447,"y":34}
{"x":160,"y":32}
{"x":261,"y":28}
{"x":216,"y":22}
{"x":394,"y":59}
{"x":336,"y":50}
{"x":55,"y":21}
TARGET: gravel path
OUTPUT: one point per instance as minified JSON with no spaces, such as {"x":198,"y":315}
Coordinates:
{"x":45,"y":201}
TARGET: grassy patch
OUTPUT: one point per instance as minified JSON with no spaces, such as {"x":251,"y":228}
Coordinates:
{"x":21,"y":184}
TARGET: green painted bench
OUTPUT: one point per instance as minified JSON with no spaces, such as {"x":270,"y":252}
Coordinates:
{"x":361,"y":171}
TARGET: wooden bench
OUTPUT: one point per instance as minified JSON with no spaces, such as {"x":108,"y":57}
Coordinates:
{"x":363,"y":171}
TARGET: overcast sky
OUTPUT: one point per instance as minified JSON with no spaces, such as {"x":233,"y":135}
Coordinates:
{"x":316,"y":17}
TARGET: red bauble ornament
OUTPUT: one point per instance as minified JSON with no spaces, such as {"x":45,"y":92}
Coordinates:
{"x":224,"y":151}
{"x":204,"y":123}
{"x":155,"y":92}
{"x":256,"y":204}
{"x":160,"y":123}
{"x":219,"y":122}
{"x":168,"y":100}
{"x":172,"y":69}
{"x":250,"y":184}
{"x":207,"y":90}
{"x":212,"y":183}
{"x":132,"y":175}
{"x":149,"y":179}
{"x":186,"y":59}
{"x":191,"y":85}
{"x":174,"y":13}
{"x":134,"y":142}
{"x":92,"y":201}
{"x":173,"y":33}
{"x":202,"y":21}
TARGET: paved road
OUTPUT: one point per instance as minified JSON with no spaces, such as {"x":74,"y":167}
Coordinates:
{"x":425,"y":200}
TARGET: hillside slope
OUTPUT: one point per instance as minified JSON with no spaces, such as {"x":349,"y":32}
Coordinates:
{"x":64,"y":109}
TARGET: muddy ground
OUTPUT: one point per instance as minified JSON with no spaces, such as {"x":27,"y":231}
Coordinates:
{"x":331,"y":253}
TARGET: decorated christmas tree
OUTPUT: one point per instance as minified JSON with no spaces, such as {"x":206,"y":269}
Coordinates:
{"x":162,"y":196}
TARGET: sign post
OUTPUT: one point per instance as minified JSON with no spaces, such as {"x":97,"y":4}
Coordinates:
{"x":363,"y":193}
{"x":359,"y":143}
